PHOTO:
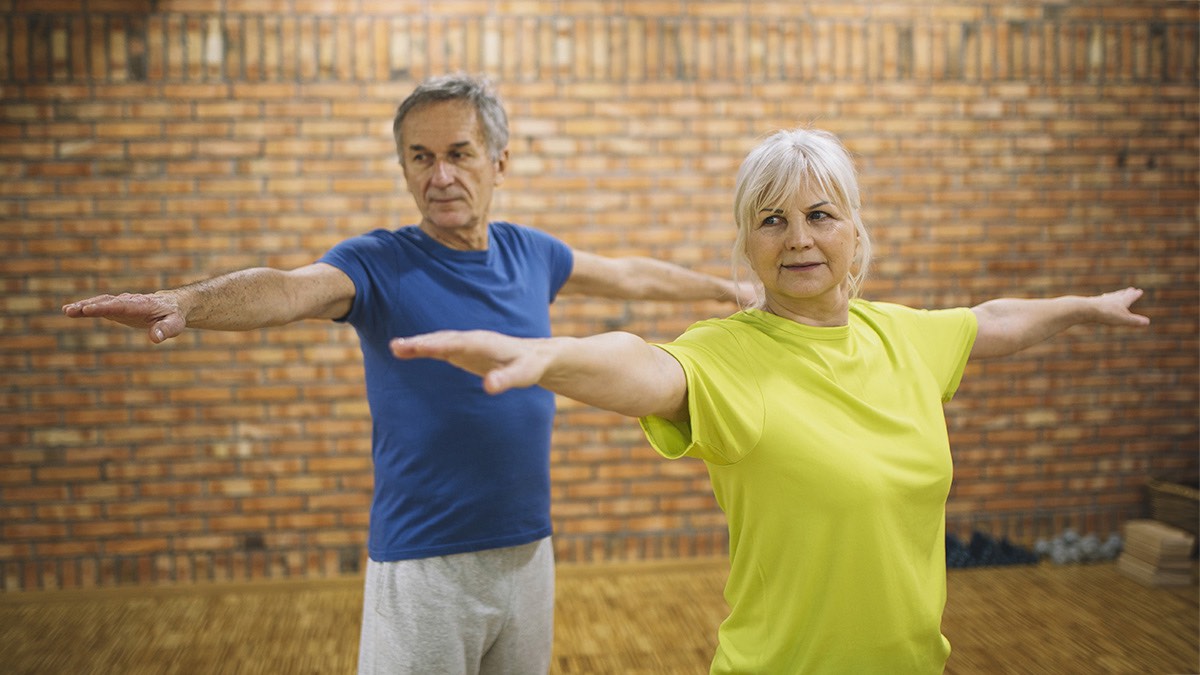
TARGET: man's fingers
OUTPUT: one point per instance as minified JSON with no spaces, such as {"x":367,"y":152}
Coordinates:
{"x":166,"y":329}
{"x":105,"y":306}
{"x":80,"y":307}
{"x":161,"y":320}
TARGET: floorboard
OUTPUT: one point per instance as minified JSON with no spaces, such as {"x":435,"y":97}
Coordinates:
{"x":627,"y":619}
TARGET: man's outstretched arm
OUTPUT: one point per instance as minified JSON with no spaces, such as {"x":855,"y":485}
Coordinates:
{"x":635,"y":278}
{"x":242,"y":300}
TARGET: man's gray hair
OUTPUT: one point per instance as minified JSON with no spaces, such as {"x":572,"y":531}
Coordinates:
{"x":477,"y":91}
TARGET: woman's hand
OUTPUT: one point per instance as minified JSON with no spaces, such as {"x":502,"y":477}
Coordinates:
{"x":1112,"y":309}
{"x":616,"y":371}
{"x":502,"y":361}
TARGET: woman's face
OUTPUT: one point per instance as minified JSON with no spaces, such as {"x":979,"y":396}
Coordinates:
{"x":803,"y":253}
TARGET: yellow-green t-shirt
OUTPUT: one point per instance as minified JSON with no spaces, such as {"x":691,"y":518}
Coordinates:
{"x":828,"y":451}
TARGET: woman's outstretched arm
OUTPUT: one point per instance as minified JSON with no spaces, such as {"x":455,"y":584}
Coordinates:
{"x":615,"y":371}
{"x":1008,"y":325}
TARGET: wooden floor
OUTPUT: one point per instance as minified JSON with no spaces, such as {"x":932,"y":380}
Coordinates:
{"x":625,"y":619}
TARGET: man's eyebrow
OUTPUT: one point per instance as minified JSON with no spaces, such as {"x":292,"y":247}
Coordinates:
{"x":454,"y":146}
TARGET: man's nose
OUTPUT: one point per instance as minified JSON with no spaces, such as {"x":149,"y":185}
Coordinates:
{"x":443,"y":173}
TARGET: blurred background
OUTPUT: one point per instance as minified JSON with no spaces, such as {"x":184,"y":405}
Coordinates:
{"x":1005,"y":148}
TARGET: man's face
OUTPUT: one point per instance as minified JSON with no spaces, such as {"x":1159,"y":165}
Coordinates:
{"x":449,"y":171}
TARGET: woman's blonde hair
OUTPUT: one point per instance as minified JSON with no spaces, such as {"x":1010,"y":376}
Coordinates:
{"x":784,"y":164}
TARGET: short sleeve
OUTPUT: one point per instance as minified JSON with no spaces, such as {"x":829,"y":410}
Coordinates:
{"x":559,"y":258}
{"x":352,"y":256}
{"x":725,"y":404}
{"x":943,"y":339}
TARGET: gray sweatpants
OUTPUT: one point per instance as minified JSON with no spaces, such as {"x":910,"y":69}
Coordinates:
{"x":488,"y":612}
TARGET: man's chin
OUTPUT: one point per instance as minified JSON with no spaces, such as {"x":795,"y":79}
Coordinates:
{"x":450,"y":212}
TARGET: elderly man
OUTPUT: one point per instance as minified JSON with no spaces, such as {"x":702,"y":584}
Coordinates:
{"x":461,"y":571}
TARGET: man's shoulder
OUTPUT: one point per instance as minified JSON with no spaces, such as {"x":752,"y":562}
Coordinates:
{"x":515,"y":235}
{"x":510,"y":229}
{"x":380,"y":237}
{"x":364,"y":249}
{"x":376,"y":234}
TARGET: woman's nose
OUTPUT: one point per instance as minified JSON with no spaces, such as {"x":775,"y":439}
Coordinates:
{"x":799,"y":235}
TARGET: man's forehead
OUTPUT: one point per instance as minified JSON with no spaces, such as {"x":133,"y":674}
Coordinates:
{"x":445,"y":124}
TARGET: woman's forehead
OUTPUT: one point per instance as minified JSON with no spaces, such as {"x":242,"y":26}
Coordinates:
{"x":802,"y":195}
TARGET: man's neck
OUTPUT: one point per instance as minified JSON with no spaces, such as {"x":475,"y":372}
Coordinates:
{"x":467,"y":238}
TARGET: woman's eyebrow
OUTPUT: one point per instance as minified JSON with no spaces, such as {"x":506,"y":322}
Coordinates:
{"x":808,"y":208}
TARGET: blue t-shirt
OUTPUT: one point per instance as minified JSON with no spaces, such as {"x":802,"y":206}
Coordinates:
{"x":456,"y":469}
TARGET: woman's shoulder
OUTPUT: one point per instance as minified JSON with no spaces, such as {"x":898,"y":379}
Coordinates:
{"x":890,"y":317}
{"x":718,"y":334}
{"x":721,"y":326}
{"x":878,"y":307}
{"x":877,"y":310}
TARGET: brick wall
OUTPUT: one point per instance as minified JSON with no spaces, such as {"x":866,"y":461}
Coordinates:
{"x":1006,"y":149}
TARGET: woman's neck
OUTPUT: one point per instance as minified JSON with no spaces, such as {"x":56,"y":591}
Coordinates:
{"x":834,"y":313}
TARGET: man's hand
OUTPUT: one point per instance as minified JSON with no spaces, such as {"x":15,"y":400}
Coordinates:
{"x":157,"y":312}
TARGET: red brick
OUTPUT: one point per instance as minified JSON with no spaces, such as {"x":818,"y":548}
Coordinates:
{"x":975,"y":179}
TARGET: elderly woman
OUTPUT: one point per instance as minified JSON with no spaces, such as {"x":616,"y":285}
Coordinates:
{"x":819,"y":416}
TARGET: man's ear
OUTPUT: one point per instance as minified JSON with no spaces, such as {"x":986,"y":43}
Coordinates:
{"x":501,"y":167}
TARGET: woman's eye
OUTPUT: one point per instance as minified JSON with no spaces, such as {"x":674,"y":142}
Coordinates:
{"x":817,"y":216}
{"x":772,"y":220}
